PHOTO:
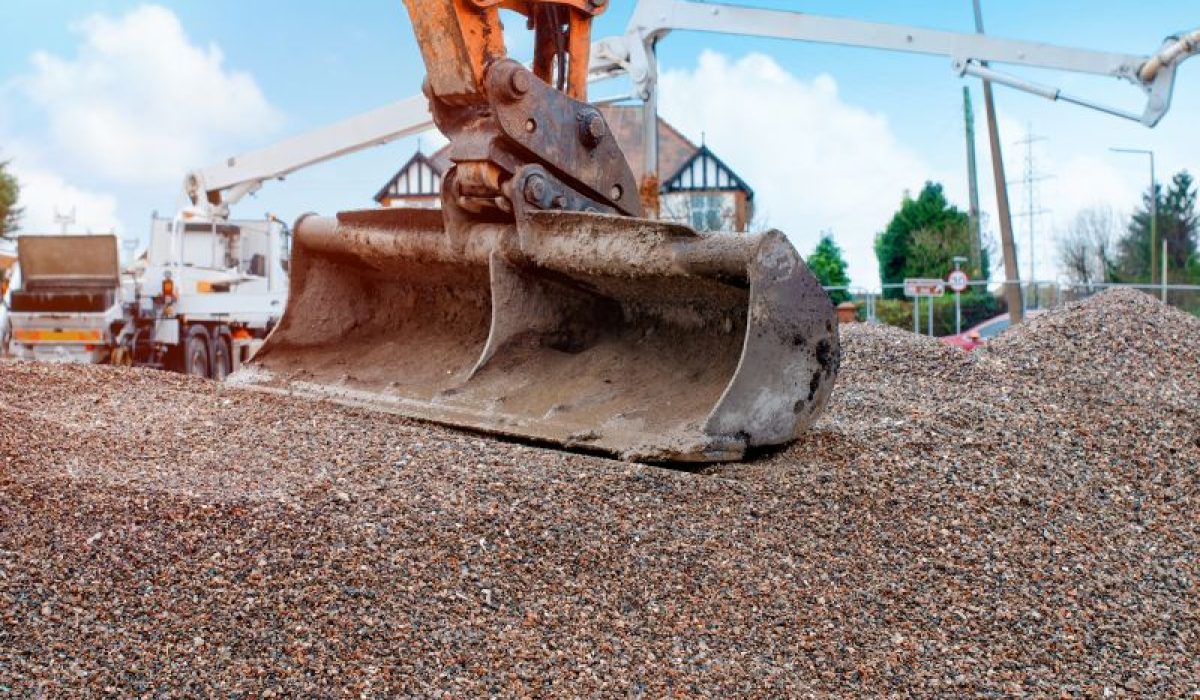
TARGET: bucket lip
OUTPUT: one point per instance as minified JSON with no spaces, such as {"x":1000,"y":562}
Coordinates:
{"x":693,"y":446}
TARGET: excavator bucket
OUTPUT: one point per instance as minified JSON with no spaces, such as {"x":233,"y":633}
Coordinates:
{"x":638,"y":338}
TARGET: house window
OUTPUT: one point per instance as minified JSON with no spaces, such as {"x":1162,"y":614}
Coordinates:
{"x":705,"y":212}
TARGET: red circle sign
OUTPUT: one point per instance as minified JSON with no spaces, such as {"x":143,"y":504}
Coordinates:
{"x":958,"y":280}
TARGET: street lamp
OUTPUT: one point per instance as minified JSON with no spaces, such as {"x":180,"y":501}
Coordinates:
{"x":1153,"y":209}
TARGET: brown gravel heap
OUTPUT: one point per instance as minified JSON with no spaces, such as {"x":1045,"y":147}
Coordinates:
{"x":1018,"y":520}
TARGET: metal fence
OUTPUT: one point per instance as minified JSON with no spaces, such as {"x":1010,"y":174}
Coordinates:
{"x":954,"y":313}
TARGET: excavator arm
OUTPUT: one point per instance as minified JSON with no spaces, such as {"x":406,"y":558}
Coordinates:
{"x":461,"y":40}
{"x":501,"y":117}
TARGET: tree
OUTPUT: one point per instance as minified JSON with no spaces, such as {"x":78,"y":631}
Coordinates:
{"x":1178,"y":225}
{"x":932,"y":250}
{"x":829,"y":267}
{"x":10,"y":191}
{"x":937,"y":229}
{"x":1085,"y":251}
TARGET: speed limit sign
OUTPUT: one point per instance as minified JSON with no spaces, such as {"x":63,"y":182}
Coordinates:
{"x":958,"y":280}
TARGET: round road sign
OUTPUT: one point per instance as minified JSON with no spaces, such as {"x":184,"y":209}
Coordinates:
{"x":958,"y":280}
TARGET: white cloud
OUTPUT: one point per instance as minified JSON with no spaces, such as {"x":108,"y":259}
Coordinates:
{"x":140,"y":103}
{"x":814,"y":161}
{"x":44,"y":194}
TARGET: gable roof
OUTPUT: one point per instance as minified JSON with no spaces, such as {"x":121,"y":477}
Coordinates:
{"x":705,"y":171}
{"x":414,"y":169}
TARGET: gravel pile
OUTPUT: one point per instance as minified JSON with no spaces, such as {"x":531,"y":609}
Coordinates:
{"x":1015,"y":521}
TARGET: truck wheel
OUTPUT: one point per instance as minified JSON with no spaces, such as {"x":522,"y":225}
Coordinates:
{"x":120,"y":356}
{"x":195,"y":352}
{"x":222,"y":358}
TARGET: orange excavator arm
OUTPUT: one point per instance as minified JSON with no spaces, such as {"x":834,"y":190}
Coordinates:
{"x":502,"y":118}
{"x":461,"y":39}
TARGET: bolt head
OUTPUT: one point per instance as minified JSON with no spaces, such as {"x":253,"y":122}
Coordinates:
{"x":519,"y":82}
{"x":592,"y":129}
{"x":535,"y":189}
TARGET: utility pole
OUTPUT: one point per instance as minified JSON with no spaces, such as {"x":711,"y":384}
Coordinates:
{"x":1029,"y":179}
{"x":1012,"y":275}
{"x":973,"y":188}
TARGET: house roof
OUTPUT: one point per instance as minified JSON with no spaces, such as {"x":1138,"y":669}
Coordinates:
{"x":704,"y":171}
{"x":417,"y":158}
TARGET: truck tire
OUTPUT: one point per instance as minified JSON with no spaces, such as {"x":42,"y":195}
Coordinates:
{"x":222,"y":356}
{"x":120,"y":356}
{"x":195,"y":352}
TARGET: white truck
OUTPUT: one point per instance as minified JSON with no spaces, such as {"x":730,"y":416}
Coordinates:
{"x":200,"y":302}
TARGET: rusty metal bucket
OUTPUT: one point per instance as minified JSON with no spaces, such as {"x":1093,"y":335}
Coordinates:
{"x":638,"y":338}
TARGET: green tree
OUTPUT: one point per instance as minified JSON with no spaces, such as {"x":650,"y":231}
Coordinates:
{"x":920,"y":240}
{"x":829,"y":267}
{"x":10,"y":191}
{"x":932,"y":250}
{"x":1178,"y":225}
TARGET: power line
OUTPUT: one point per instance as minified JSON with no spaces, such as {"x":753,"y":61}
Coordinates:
{"x":1029,"y":179}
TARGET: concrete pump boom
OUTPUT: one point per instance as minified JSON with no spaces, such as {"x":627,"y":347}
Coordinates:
{"x":219,"y":186}
{"x":633,"y":53}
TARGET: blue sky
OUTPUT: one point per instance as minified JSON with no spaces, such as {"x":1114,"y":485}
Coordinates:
{"x":829,"y":137}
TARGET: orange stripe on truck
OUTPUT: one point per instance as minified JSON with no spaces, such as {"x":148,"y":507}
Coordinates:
{"x":57,"y":336}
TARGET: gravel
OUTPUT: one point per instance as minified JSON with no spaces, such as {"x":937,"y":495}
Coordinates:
{"x":1019,"y":520}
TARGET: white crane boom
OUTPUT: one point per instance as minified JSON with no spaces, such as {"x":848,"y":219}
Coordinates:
{"x":969,"y":53}
{"x":223,"y":184}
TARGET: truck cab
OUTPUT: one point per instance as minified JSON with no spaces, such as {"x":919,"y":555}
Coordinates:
{"x":206,"y":293}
